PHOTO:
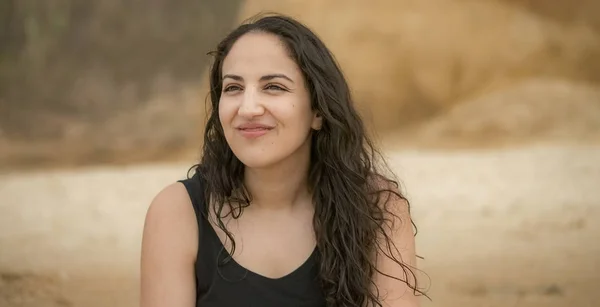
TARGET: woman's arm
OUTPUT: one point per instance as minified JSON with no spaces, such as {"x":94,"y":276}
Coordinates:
{"x":393,"y":292}
{"x":169,"y":246}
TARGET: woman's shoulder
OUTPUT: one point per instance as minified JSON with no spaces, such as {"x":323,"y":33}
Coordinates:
{"x":170,"y":214}
{"x":169,"y":245}
{"x":179,"y":199}
{"x":171,"y":202}
{"x":389,"y":197}
{"x":173,"y":193}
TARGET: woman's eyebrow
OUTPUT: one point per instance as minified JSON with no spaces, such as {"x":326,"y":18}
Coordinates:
{"x":274,"y":76}
{"x":263,"y":78}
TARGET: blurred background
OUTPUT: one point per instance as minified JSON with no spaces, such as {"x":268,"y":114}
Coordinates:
{"x":488,"y":110}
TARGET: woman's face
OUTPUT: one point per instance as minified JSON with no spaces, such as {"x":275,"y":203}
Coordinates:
{"x":265,"y":107}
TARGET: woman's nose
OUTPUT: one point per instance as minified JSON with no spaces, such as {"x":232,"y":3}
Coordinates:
{"x":251,"y":105}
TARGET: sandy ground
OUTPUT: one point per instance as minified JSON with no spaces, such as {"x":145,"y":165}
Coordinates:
{"x":510,"y":227}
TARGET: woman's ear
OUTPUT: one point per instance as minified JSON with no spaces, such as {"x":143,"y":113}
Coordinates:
{"x":317,"y":121}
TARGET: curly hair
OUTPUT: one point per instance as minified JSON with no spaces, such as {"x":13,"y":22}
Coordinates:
{"x":345,"y":175}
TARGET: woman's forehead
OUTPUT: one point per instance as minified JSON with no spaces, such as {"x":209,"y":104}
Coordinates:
{"x":258,"y":54}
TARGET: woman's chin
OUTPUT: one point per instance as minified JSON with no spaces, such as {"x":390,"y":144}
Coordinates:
{"x":257,"y":161}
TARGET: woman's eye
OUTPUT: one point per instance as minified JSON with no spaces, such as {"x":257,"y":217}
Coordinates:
{"x":231,"y":88}
{"x":273,"y":87}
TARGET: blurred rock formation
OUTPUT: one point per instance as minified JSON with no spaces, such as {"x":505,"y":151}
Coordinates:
{"x":106,"y":81}
{"x":410,"y":60}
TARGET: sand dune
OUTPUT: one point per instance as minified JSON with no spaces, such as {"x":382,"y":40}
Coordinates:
{"x":408,"y":60}
{"x":526,"y":112}
{"x":509,"y":227}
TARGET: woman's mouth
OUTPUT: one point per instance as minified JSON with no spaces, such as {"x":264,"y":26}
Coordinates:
{"x":254,"y":131}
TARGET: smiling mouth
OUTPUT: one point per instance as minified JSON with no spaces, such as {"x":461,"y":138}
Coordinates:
{"x":255,"y":129}
{"x":254,"y":132}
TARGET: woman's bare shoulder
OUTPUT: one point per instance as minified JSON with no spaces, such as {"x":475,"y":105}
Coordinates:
{"x":174,"y":193}
{"x":170,"y":220}
{"x":169,"y":248}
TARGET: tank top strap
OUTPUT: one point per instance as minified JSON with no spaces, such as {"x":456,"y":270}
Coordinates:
{"x":195,"y":189}
{"x":216,"y":279}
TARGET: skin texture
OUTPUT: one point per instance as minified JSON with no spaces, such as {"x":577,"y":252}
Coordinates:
{"x":263,"y":85}
{"x":169,"y":245}
{"x":309,"y":179}
{"x":394,"y":292}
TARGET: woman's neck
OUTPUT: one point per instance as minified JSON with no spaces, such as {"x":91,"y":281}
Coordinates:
{"x":282,"y":186}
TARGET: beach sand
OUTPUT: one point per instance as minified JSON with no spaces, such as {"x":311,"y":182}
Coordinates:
{"x":497,"y":227}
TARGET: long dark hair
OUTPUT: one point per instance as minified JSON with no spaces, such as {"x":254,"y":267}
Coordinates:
{"x":346,"y":177}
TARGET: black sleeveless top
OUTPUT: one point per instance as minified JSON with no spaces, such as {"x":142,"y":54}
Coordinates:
{"x":231,"y":285}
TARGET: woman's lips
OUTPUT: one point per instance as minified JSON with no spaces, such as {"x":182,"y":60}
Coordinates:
{"x":254,"y":132}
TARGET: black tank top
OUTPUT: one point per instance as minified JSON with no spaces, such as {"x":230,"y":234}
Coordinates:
{"x":231,"y":285}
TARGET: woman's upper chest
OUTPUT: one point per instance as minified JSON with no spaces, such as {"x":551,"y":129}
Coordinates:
{"x":271,"y":244}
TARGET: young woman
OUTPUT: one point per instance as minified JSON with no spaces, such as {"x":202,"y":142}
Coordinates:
{"x":288,"y":205}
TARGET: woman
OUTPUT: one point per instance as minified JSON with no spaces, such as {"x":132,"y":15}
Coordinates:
{"x":287,"y":206}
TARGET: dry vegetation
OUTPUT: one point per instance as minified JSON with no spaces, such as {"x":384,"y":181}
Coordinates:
{"x":83,"y":82}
